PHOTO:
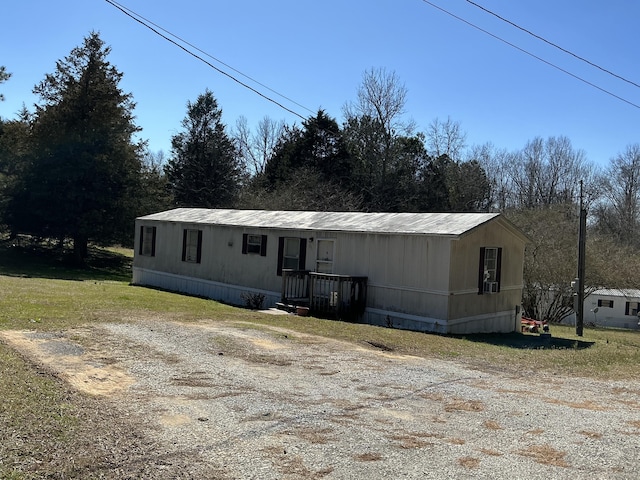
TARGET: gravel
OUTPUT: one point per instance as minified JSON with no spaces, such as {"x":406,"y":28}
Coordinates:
{"x":268,"y":403}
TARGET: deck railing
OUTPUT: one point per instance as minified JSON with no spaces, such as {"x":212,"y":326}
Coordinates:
{"x":295,"y":287}
{"x":338,"y":296}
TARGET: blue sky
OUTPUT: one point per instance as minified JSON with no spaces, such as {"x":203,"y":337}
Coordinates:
{"x":316,"y":53}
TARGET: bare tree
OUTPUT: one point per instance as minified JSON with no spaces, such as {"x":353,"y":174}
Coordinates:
{"x":495,"y":163}
{"x":445,"y":138}
{"x":378,"y":138}
{"x":382,"y":97}
{"x":308,"y":189}
{"x":256,"y":148}
{"x":620,"y":212}
{"x":550,"y":260}
{"x":545,"y":172}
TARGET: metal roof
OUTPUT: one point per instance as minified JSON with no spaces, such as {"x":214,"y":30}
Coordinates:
{"x":446,"y":224}
{"x":617,"y":292}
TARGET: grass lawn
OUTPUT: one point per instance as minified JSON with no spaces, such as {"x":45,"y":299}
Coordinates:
{"x":39,"y":290}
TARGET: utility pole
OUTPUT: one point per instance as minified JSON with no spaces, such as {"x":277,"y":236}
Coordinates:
{"x":582,"y":237}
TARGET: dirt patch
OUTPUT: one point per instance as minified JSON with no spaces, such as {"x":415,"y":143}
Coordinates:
{"x":69,"y":361}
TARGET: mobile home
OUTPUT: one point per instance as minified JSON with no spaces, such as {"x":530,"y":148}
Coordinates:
{"x":613,"y":307}
{"x":441,"y":272}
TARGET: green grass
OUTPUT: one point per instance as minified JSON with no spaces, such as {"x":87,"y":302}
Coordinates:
{"x":40,"y":290}
{"x":36,"y":417}
{"x":40,"y":418}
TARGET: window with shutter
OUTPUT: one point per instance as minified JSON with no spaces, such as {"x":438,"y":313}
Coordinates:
{"x":147,"y":241}
{"x":254,"y":244}
{"x":192,"y":245}
{"x":292,"y":254}
{"x":489,"y":271}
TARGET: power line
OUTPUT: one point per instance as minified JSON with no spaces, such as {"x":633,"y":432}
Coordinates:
{"x":212,"y":57}
{"x":553,"y":44}
{"x":532,"y":55}
{"x":151,"y":26}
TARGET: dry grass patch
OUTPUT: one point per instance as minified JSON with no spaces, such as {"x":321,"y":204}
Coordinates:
{"x":625,"y":390}
{"x":536,"y":431}
{"x":469,"y":462}
{"x":546,"y":455}
{"x":413,"y":439}
{"x":194,"y":379}
{"x":348,"y":418}
{"x":629,"y":403}
{"x":455,"y":441}
{"x":436,"y":397}
{"x":462,"y":405}
{"x":368,"y":457}
{"x":488,"y":451}
{"x":492,"y":425}
{"x":586,"y":405}
{"x":590,"y":434}
{"x":438,"y":419}
{"x":317,"y":436}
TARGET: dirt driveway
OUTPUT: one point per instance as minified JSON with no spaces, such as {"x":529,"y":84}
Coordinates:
{"x":232,"y":401}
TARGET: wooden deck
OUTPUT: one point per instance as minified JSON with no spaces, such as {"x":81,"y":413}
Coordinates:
{"x":326,"y":295}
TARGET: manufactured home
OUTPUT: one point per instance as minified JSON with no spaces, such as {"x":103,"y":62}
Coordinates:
{"x":440,"y":272}
{"x":613,"y":307}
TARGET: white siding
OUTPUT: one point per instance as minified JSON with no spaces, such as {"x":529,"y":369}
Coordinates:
{"x":415,"y":280}
{"x":611,"y":316}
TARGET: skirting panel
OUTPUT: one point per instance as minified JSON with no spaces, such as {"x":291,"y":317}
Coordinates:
{"x":231,"y":294}
{"x":501,"y":322}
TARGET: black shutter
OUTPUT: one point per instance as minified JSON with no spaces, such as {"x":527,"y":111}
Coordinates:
{"x":244,"y":242}
{"x":280,"y":255}
{"x":499,"y":267}
{"x":199,"y":254}
{"x":481,"y":272}
{"x":184,"y":244}
{"x":626,"y":309}
{"x":302,"y":259}
{"x":141,"y":240}
{"x":263,"y":246}
{"x":153,"y":242}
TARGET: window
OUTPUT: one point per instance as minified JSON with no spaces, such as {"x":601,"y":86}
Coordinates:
{"x":489,"y":270}
{"x":292,"y":253}
{"x":147,"y":245}
{"x":191,"y":245}
{"x":605,"y":303}
{"x":631,"y":309}
{"x":324,"y":256}
{"x":254,"y":244}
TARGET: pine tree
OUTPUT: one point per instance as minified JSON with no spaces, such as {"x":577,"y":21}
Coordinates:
{"x":85,"y":170}
{"x":204,"y":169}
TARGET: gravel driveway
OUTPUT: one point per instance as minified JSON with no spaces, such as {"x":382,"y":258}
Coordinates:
{"x":247,"y":403}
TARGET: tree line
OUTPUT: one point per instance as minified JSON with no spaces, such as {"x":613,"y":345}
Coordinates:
{"x":72,"y":169}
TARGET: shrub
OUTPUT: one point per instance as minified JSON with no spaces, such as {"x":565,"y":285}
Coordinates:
{"x":254,"y":301}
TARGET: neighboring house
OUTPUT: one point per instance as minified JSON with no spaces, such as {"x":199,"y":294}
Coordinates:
{"x":441,"y":272}
{"x":610,"y":307}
